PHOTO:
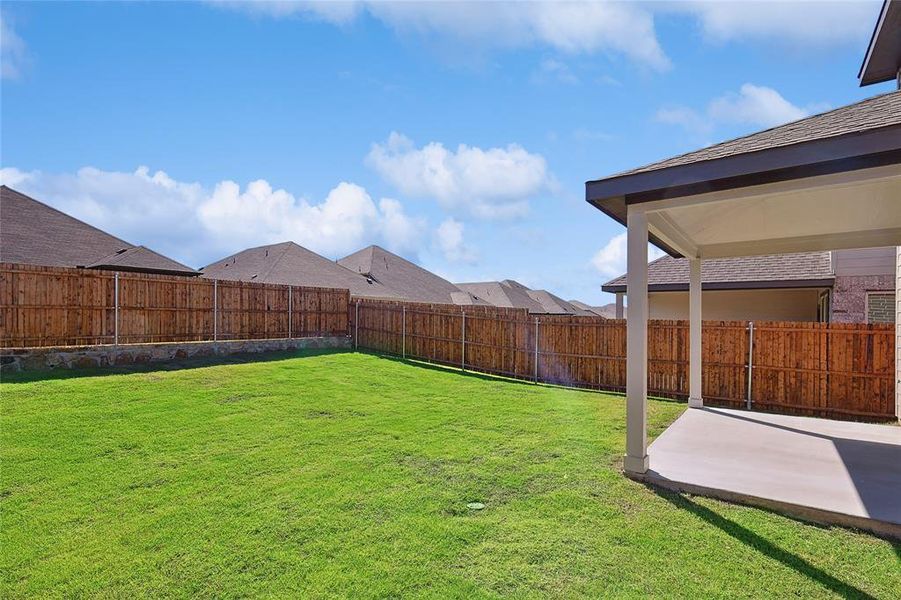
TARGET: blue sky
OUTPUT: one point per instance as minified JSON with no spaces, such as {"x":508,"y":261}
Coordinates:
{"x":459,"y":135}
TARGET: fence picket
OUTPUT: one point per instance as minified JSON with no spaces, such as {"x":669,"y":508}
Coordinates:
{"x":51,"y":306}
{"x":781,"y":362}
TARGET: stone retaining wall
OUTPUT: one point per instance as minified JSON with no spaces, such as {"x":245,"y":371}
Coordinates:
{"x":78,"y":357}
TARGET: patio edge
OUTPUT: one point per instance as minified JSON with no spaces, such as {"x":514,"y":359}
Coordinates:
{"x":883,"y":529}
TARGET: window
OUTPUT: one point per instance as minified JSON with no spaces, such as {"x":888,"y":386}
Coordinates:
{"x":880,"y":307}
{"x":823,"y":307}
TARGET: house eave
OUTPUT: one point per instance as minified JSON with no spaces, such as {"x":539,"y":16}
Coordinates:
{"x":730,"y":285}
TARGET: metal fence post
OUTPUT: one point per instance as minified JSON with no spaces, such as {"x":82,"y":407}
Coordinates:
{"x":536,"y":349}
{"x":215,"y":310}
{"x":290,"y":308}
{"x":357,"y":326}
{"x":403,"y":331}
{"x":750,"y":359}
{"x":463,"y":345}
{"x":116,"y":302}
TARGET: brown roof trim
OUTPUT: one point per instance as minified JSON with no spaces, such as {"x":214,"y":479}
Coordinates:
{"x":731,"y":285}
{"x":849,"y":152}
{"x":883,"y":47}
{"x":132,"y":269}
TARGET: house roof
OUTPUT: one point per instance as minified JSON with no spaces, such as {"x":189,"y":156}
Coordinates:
{"x":32,"y":232}
{"x":504,"y":294}
{"x":555,"y":305}
{"x":805,"y":269}
{"x":883,"y":57}
{"x":406,"y":279}
{"x":512,"y":294}
{"x":290,"y":264}
{"x":858,"y":136}
{"x":608,"y":311}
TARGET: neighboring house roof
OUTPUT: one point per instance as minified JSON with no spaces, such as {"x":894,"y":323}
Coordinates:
{"x":883,"y":57}
{"x":804,"y":269}
{"x":291,"y":264}
{"x":601,"y":311}
{"x":555,"y":305}
{"x":406,"y":279}
{"x":858,"y":136}
{"x":504,"y":294}
{"x":512,"y":294}
{"x":32,"y":232}
{"x":609,"y":310}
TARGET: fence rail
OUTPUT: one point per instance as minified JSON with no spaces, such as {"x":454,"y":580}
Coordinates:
{"x":835,"y":370}
{"x":49,"y":306}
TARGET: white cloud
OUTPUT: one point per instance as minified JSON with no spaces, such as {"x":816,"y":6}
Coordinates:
{"x":197,"y":225}
{"x":755,"y":105}
{"x":800,"y":23}
{"x":610,"y":261}
{"x":591,"y":135}
{"x":492,"y":183}
{"x":449,"y":240}
{"x":573,"y":27}
{"x":13,"y":52}
{"x":336,"y":12}
{"x":687,"y":118}
{"x":592,"y":26}
{"x":551,"y":70}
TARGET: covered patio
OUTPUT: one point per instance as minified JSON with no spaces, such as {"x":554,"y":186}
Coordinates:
{"x":829,"y":181}
{"x":817,"y":469}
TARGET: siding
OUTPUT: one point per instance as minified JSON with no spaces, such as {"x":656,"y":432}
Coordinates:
{"x":864,"y":261}
{"x":739,"y":305}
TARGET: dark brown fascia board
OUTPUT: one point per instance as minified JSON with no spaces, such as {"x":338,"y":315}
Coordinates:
{"x":864,"y":75}
{"x":850,"y":152}
{"x":128,"y":269}
{"x":730,"y":285}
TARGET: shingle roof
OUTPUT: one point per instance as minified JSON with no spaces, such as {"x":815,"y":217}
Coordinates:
{"x":555,"y":305}
{"x":512,"y":294}
{"x":406,"y":279}
{"x":775,"y":270}
{"x":608,"y":311}
{"x":291,"y":264}
{"x":33,"y":233}
{"x":504,"y":294}
{"x":873,"y":113}
{"x":136,"y":257}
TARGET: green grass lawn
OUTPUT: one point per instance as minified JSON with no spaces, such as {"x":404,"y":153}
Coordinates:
{"x":350,"y":474}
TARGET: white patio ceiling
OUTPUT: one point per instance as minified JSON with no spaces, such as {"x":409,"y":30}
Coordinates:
{"x":857,"y":209}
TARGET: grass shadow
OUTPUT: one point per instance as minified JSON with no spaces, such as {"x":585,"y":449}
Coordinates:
{"x":485,"y":376}
{"x":171,"y":365}
{"x":764,"y":546}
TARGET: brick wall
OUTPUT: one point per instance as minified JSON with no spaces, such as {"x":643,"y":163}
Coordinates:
{"x":849,"y":295}
{"x":881,"y":307}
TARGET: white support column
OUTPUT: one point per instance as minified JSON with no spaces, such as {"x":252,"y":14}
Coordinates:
{"x":620,"y":313}
{"x":636,"y":459}
{"x":898,"y":331}
{"x":694,"y":318}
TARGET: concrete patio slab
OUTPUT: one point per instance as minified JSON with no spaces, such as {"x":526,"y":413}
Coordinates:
{"x":832,"y":472}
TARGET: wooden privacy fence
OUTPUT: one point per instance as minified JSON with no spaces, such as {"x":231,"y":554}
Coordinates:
{"x":836,"y":370}
{"x":49,"y":306}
